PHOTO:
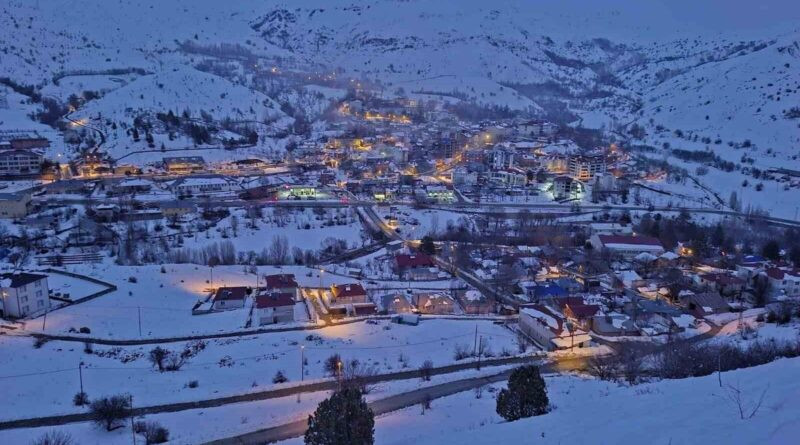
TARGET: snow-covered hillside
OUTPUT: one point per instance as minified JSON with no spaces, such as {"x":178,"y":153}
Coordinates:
{"x":723,"y":70}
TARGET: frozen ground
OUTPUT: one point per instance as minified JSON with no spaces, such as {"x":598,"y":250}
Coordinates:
{"x":42,"y":381}
{"x":586,"y":411}
{"x":165,"y":299}
{"x":195,"y":426}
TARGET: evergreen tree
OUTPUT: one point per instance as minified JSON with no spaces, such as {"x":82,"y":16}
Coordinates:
{"x":526,"y":395}
{"x":771,"y":250}
{"x":718,"y":236}
{"x":343,"y":419}
{"x":427,"y":245}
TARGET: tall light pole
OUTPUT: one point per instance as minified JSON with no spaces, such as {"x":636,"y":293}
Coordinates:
{"x":302,"y":369}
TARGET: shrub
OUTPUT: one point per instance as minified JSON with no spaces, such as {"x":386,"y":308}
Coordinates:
{"x":153,"y":432}
{"x":461,"y":352}
{"x":525,"y":396}
{"x":332,"y":365}
{"x":132,"y":280}
{"x":193,"y":384}
{"x":54,"y":438}
{"x":279,"y":377}
{"x":109,"y":410}
{"x":426,"y":370}
{"x":85,"y":330}
{"x":80,"y":399}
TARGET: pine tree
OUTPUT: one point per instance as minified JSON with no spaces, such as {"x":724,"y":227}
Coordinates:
{"x":526,"y":395}
{"x":343,"y":419}
{"x":771,"y":250}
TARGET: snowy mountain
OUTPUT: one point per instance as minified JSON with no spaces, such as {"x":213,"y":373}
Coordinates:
{"x":720,"y":70}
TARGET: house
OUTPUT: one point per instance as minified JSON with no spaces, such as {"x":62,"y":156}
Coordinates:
{"x":361,"y":309}
{"x":89,"y":233}
{"x":184,"y":164}
{"x":549,"y":329}
{"x":23,"y":294}
{"x":415,"y":266}
{"x":176,"y":209}
{"x":654,"y":315}
{"x":508,"y":177}
{"x":348,"y":294}
{"x":283,"y":283}
{"x":438,"y":303}
{"x":20,"y":163}
{"x":475,"y":303}
{"x":537,"y":128}
{"x":227,"y":298}
{"x":15,"y":205}
{"x":106,"y":212}
{"x":565,"y":187}
{"x":627,"y":246}
{"x":725,"y":284}
{"x":396,"y":304}
{"x":783,"y":282}
{"x":274,"y":307}
{"x":578,"y":312}
{"x":28,"y":143}
{"x":704,"y":304}
{"x":545,"y":292}
{"x":203,"y":185}
{"x":614,"y":325}
{"x":601,"y":228}
{"x":132,"y":186}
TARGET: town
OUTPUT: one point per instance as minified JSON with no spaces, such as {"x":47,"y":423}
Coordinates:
{"x":187,"y":274}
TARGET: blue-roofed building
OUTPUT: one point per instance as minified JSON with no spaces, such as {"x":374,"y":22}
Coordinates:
{"x":546,"y":291}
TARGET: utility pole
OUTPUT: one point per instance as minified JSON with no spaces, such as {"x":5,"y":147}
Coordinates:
{"x":80,"y":375}
{"x":302,"y":368}
{"x":133,"y":430}
{"x":139,"y":308}
{"x":479,"y":354}
{"x":44,"y":321}
{"x":475,"y":342}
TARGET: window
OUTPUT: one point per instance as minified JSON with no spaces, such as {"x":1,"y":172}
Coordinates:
{"x":22,"y":288}
{"x":40,"y":303}
{"x":39,"y":293}
{"x":24,"y":299}
{"x":38,"y":283}
{"x":25,"y":310}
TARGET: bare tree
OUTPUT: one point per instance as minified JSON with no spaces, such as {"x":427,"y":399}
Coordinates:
{"x":110,"y":410}
{"x":746,"y":409}
{"x":426,"y":370}
{"x":279,"y":249}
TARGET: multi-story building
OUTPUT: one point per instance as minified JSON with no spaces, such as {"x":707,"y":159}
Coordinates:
{"x":584,"y":167}
{"x":184,"y":164}
{"x":23,"y":294}
{"x":20,"y":163}
{"x":14,"y":205}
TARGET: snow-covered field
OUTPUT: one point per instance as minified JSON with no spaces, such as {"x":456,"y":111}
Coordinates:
{"x":586,"y":411}
{"x":164,"y":299}
{"x":42,"y":381}
{"x":198,"y":425}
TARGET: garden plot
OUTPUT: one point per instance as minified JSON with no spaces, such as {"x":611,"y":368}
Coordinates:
{"x":42,"y":381}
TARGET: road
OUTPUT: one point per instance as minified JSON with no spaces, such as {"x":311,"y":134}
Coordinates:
{"x":393,"y":403}
{"x":316,"y":386}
